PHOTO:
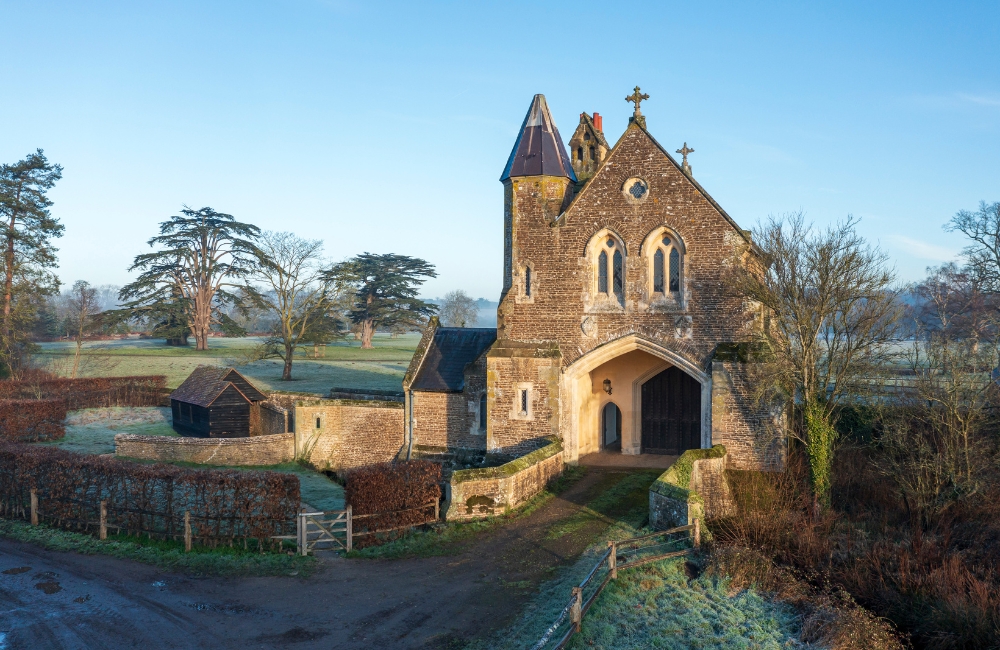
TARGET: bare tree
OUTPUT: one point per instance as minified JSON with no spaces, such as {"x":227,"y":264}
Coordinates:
{"x":982,"y":255}
{"x":83,"y":305}
{"x":458,"y":310}
{"x":829,"y":318}
{"x":296,"y":293}
{"x":934,"y":442}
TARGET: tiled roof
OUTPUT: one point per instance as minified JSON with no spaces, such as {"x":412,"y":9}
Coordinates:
{"x":206,"y":383}
{"x":538,"y":150}
{"x":453,"y":348}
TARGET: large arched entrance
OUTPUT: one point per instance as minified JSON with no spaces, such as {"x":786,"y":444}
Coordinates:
{"x":671,"y":413}
{"x":619,"y":372}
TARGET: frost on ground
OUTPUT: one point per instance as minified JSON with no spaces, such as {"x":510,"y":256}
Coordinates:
{"x":92,"y":431}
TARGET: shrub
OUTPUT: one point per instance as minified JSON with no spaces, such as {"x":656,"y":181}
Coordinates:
{"x":32,"y":420}
{"x":224,"y":505}
{"x":400,"y":495}
{"x":90,"y":392}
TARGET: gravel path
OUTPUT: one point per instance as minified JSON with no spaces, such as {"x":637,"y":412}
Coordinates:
{"x":65,"y":600}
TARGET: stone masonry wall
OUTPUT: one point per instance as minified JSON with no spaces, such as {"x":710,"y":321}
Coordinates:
{"x":479,"y":493}
{"x":452,"y":419}
{"x":694,"y":487}
{"x":509,"y":372}
{"x":257,"y":450}
{"x":750,"y":432}
{"x":351,"y":433}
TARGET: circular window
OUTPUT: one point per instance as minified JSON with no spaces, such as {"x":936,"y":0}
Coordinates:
{"x":635,"y":189}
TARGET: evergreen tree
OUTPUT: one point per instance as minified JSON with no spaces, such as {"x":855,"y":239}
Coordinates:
{"x":384,"y":291}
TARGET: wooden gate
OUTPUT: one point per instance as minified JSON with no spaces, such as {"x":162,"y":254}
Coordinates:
{"x":330,"y":530}
{"x":671,"y":413}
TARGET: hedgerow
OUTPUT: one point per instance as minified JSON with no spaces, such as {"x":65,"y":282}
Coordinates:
{"x":392,"y":497}
{"x":32,"y":420}
{"x":90,"y":392}
{"x":150,"y":499}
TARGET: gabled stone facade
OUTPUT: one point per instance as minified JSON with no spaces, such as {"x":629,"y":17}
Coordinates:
{"x":613,"y":308}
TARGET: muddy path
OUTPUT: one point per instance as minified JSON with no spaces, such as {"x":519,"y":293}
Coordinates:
{"x":65,"y":600}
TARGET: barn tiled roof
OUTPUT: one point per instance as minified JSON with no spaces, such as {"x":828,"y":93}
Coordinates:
{"x":538,"y":150}
{"x":453,"y":348}
{"x":206,"y":383}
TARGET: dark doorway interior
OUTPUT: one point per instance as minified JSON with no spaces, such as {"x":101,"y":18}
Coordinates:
{"x":671,"y":413}
{"x":611,"y":427}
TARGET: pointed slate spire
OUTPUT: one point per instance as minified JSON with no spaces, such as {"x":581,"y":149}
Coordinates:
{"x":538,"y":150}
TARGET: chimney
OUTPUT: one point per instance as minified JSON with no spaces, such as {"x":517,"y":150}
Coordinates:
{"x":598,"y":122}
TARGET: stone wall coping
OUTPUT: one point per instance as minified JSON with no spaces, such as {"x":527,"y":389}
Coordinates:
{"x":676,"y":481}
{"x":368,"y":403}
{"x":511,"y":468}
{"x":204,"y":442}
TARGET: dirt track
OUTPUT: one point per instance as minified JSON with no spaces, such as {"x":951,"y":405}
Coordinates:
{"x":74,"y":601}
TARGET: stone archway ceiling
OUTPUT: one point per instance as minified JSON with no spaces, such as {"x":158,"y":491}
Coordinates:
{"x":538,"y":150}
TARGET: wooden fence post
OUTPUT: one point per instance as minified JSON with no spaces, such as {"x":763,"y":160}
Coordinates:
{"x":613,"y":560}
{"x":437,"y":510}
{"x":350,"y":528}
{"x":102,"y":532}
{"x":697,"y":533}
{"x":576,"y":611}
{"x":303,"y":534}
{"x":34,"y":507}
{"x":187,"y":531}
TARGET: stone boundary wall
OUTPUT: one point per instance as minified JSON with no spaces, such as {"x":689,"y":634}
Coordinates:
{"x":341,"y":434}
{"x":257,"y":450}
{"x":692,"y":488}
{"x":488,"y":491}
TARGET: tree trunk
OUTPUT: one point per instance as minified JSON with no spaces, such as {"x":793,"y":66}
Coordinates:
{"x":8,"y":285}
{"x":367,"y":332}
{"x":76,"y":359}
{"x":286,"y":372}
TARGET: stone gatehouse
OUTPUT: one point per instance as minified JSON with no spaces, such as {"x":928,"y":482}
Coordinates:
{"x":612,"y":314}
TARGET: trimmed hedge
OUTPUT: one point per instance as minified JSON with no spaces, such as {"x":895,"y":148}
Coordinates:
{"x":32,"y":420}
{"x":90,"y":392}
{"x":398,"y":494}
{"x":224,"y":505}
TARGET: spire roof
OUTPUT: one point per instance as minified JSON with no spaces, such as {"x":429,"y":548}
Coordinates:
{"x":538,"y":150}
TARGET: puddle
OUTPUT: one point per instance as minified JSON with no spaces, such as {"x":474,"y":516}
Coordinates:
{"x":15,"y":571}
{"x":48,"y":588}
{"x":160,"y":584}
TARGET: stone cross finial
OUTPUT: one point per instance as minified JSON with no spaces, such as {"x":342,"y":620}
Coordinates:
{"x":684,"y":151}
{"x":636,"y":97}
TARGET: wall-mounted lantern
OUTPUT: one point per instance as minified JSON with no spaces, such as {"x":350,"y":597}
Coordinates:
{"x":607,"y":386}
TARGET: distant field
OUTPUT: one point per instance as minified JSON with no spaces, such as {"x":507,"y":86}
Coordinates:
{"x":344,"y":364}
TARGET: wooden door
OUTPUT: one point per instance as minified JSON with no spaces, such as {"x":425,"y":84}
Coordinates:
{"x":671,"y":413}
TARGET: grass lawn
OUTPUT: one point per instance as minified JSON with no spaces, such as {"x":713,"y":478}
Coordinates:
{"x":168,"y":555}
{"x":657,"y":606}
{"x":92,"y":431}
{"x":344,"y":364}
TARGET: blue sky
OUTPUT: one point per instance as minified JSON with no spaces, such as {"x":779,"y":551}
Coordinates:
{"x":383,"y":127}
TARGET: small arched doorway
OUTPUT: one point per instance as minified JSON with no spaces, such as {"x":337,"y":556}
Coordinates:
{"x":671,"y":413}
{"x":611,"y":427}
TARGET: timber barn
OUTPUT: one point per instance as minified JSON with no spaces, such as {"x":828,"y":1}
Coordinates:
{"x":214,"y":402}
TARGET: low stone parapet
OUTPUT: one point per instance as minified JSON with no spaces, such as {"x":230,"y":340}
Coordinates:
{"x":484,"y":492}
{"x":257,"y":450}
{"x":692,"y":488}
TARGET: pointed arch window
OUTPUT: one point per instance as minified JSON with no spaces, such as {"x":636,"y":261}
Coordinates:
{"x":675,"y":270}
{"x":658,"y":270}
{"x":592,"y":154}
{"x":579,"y":154}
{"x":527,"y":281}
{"x":666,"y":264}
{"x":619,"y":273}
{"x":602,"y":272}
